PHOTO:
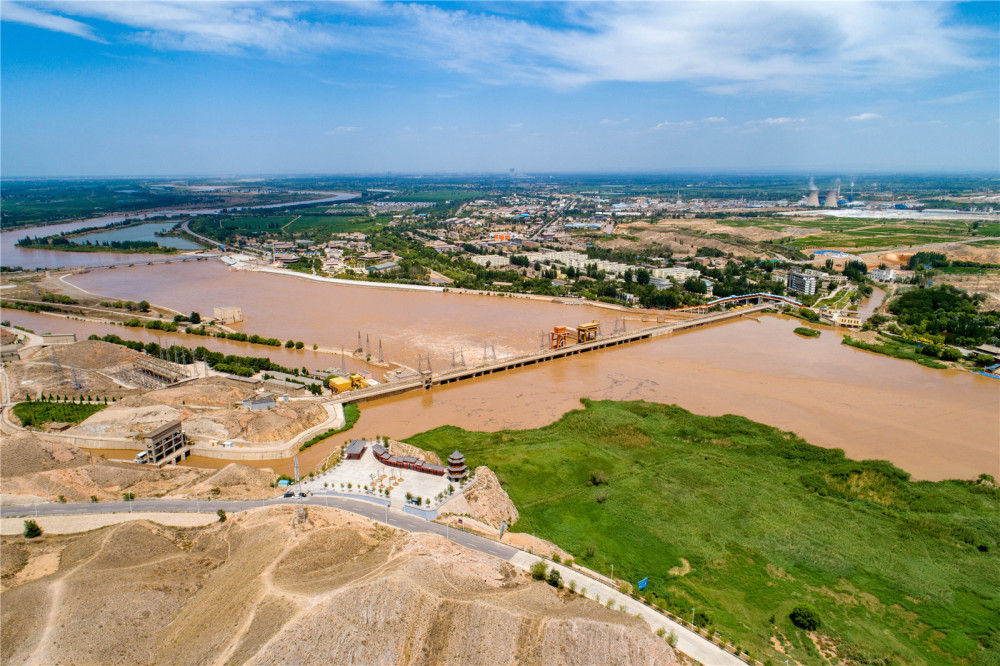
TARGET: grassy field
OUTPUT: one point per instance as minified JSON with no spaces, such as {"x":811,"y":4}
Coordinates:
{"x":41,"y":412}
{"x":741,"y":521}
{"x":807,"y":332}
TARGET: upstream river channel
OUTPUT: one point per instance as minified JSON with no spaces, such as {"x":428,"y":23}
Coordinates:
{"x":935,"y":424}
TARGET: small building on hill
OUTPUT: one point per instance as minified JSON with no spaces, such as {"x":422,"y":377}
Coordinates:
{"x":457,"y":469}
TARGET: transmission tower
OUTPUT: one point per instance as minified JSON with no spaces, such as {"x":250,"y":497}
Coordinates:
{"x":359,"y":348}
{"x":368,"y":347}
{"x":489,"y":353}
{"x":458,"y":360}
{"x":381,"y":356}
{"x":76,"y":380}
{"x":423,"y":361}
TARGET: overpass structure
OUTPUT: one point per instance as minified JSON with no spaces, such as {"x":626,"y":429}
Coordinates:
{"x":745,"y":299}
{"x":427,"y":379}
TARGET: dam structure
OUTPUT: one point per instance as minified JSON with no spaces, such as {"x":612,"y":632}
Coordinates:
{"x":427,"y":379}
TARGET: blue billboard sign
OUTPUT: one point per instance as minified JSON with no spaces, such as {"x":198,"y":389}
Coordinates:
{"x":643,"y":583}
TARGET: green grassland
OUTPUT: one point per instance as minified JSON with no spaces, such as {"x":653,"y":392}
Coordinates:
{"x":901,"y":571}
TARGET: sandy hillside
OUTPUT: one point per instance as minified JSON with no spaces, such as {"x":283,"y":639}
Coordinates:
{"x":138,"y":414}
{"x":34,"y":468}
{"x":486,"y":501}
{"x":24,"y":453}
{"x":337,"y":590}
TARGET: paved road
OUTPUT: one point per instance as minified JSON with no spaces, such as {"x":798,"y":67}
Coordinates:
{"x":688,"y":642}
{"x":394,"y":518}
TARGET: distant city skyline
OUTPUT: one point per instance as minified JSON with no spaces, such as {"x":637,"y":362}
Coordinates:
{"x":186,"y":88}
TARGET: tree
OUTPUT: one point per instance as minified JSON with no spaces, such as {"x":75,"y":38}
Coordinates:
{"x":143,"y":306}
{"x":628,"y":276}
{"x":31,"y":529}
{"x":642,"y":276}
{"x":695,"y":286}
{"x":222,"y":515}
{"x":805,"y":616}
{"x":289,"y":344}
{"x":299,"y":344}
{"x":195,"y":318}
{"x":539,"y":569}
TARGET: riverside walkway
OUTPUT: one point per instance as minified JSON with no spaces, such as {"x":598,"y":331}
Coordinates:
{"x":427,"y":379}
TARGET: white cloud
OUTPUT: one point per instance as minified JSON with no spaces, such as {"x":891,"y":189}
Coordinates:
{"x":665,"y":124}
{"x":780,"y":121}
{"x":515,"y":126}
{"x":612,"y":123}
{"x":723,"y":47}
{"x":344,"y":129}
{"x":12,"y":11}
{"x":863,"y":117}
{"x":714,"y":119}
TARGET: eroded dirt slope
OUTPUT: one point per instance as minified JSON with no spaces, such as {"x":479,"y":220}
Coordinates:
{"x":336,"y":589}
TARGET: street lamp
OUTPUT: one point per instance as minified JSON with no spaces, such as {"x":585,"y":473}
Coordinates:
{"x":692,"y":617}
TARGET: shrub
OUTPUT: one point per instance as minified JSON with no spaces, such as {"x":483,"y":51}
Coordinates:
{"x":93,"y":498}
{"x":62,"y":499}
{"x":672,"y":639}
{"x":572,"y":586}
{"x":601,"y":497}
{"x":538,"y":570}
{"x":591,"y":549}
{"x":222,"y":515}
{"x":555,"y":578}
{"x":805,"y":616}
{"x":661,"y":632}
{"x":556,"y":558}
{"x":128,"y":496}
{"x":31,"y":529}
{"x":597,"y":477}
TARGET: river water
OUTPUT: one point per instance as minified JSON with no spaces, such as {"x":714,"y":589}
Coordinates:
{"x":935,"y":424}
{"x":410,"y":324}
{"x":11,"y":255}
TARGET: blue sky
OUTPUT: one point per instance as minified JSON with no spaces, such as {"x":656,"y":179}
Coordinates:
{"x":174,"y":88}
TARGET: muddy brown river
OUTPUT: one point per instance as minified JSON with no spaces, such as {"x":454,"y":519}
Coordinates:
{"x":935,"y":424}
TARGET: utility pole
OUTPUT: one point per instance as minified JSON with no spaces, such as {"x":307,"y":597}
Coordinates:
{"x":197,"y":503}
{"x":692,"y":617}
{"x":612,"y":575}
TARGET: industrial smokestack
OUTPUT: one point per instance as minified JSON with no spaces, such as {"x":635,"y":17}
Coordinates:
{"x":831,"y":199}
{"x":813,"y":200}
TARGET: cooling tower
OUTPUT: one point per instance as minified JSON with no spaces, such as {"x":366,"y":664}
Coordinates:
{"x":831,"y":199}
{"x":813,"y":200}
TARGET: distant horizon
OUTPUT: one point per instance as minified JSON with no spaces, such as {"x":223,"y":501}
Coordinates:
{"x":719,"y":173}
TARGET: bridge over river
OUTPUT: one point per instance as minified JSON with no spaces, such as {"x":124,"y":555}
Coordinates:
{"x":428,"y":379}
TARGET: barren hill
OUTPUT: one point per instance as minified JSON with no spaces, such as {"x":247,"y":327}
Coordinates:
{"x":337,"y":589}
